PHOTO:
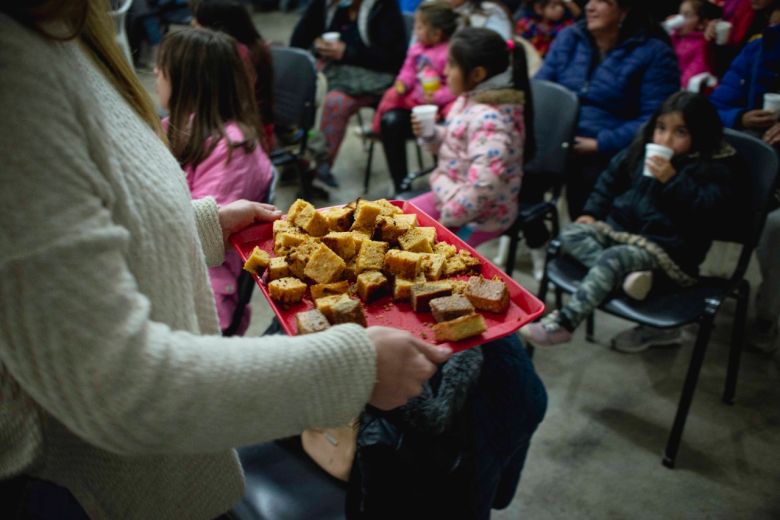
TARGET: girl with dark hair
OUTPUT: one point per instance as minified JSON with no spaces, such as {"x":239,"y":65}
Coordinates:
{"x":215,"y":133}
{"x":619,"y":62}
{"x":484,"y":14}
{"x":648,"y":213}
{"x":232,"y":17}
{"x":481,"y":147}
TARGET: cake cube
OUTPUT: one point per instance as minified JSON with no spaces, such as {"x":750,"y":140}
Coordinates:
{"x":257,"y":261}
{"x":443,"y":248}
{"x":311,"y":221}
{"x":433,"y":265}
{"x":283,"y":225}
{"x":311,"y":321}
{"x":423,"y":293}
{"x":285,"y":241}
{"x":326,"y":303}
{"x":287,"y":290}
{"x":296,"y":208}
{"x":365,"y":217}
{"x":339,"y":219}
{"x":450,"y":307}
{"x":324,"y":266}
{"x":388,"y":208}
{"x":370,"y":284}
{"x":342,"y":243}
{"x":371,"y":256}
{"x":416,"y":241}
{"x":470,"y":261}
{"x":406,"y":219}
{"x":278,"y":268}
{"x":299,"y":257}
{"x":429,"y":233}
{"x":350,"y":271}
{"x":402,"y":288}
{"x":328,"y":289}
{"x":389,"y":229}
{"x":348,"y":311}
{"x":488,"y":295}
{"x":404,"y":264}
{"x":454,"y":265}
{"x":460,"y":328}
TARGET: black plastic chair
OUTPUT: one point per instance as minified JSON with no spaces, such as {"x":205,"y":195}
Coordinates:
{"x":676,"y":307}
{"x":556,"y":110}
{"x":295,"y":89}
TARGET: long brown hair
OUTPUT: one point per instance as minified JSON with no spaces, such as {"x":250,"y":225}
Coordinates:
{"x":209,"y":88}
{"x":87,"y":21}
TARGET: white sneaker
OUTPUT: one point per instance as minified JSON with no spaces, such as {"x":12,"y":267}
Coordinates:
{"x":538,"y":256}
{"x":637,"y":284}
{"x":641,"y":338}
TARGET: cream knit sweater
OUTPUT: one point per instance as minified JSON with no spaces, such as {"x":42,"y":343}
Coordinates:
{"x":113,"y":382}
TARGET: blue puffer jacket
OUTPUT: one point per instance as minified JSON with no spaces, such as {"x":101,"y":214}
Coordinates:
{"x":755,"y":71}
{"x":618,"y":94}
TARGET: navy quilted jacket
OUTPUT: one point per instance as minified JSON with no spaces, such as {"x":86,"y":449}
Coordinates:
{"x":618,"y":94}
{"x":755,"y":71}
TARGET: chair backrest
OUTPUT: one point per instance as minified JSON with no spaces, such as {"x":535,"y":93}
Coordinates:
{"x":409,"y":24}
{"x":295,"y":85}
{"x":556,"y":110}
{"x":757,"y":184}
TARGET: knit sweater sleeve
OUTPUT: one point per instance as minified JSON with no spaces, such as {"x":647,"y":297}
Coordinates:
{"x":209,"y":230}
{"x":78,"y":335}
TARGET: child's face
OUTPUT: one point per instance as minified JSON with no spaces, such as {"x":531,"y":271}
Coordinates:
{"x":553,"y":11}
{"x":163,"y":88}
{"x":670,"y":131}
{"x":692,"y":21}
{"x":455,"y":80}
{"x":423,"y":32}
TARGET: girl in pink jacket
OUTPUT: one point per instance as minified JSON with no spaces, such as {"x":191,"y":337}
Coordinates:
{"x":215,"y":133}
{"x":692,"y":48}
{"x":420,"y":81}
{"x":480,"y":148}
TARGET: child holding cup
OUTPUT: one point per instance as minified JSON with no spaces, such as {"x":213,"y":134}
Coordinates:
{"x":652,"y":211}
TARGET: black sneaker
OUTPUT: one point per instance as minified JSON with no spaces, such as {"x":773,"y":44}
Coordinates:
{"x":325,"y":176}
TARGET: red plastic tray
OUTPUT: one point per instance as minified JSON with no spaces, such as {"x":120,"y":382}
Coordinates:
{"x":524,"y":307}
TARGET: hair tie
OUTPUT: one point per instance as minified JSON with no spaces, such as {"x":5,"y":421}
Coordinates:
{"x":510,"y":45}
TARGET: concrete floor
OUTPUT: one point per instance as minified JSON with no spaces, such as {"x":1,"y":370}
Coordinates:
{"x":598,"y":452}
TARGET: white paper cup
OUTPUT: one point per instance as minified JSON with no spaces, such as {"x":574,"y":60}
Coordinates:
{"x":426,"y":115}
{"x":772,"y":102}
{"x":722,"y":32}
{"x":675,"y":22}
{"x":653,"y":150}
{"x":331,"y":36}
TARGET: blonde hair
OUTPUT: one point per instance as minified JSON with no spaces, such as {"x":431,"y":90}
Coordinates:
{"x":89,"y":22}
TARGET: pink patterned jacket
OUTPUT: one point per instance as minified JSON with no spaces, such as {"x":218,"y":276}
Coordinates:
{"x":480,"y":168}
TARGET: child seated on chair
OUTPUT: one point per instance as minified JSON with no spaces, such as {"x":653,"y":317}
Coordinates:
{"x":648,"y":213}
{"x":420,"y":80}
{"x":542,"y":22}
{"x":476,"y":183}
{"x":214,"y":131}
{"x":693,"y":50}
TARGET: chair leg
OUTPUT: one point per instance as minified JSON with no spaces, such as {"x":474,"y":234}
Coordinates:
{"x":544,"y":286}
{"x":367,"y":174}
{"x":419,"y":156}
{"x":689,"y":386}
{"x":737,"y":341}
{"x":590,"y":325}
{"x":558,"y":298}
{"x":512,"y":252}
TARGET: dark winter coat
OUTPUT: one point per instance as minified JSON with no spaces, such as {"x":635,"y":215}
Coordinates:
{"x":618,"y":94}
{"x":681,"y":215}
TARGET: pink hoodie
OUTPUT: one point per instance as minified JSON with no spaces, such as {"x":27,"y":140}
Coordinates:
{"x":431,"y":60}
{"x":692,"y":52}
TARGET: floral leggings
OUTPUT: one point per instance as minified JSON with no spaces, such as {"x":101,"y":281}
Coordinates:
{"x":608,"y":262}
{"x":337,"y":108}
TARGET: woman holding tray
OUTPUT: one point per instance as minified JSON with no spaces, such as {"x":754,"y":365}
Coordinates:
{"x":118,"y":397}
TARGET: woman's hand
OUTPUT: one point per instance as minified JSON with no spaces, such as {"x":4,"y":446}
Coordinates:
{"x":237,"y":215}
{"x":661,"y":168}
{"x":403,"y":364}
{"x":758,"y":119}
{"x":585,"y":145}
{"x":417,"y":127}
{"x":585,"y":219}
{"x":333,"y":51}
{"x":772,"y":136}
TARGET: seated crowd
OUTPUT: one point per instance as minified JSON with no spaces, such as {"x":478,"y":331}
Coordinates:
{"x":650,"y":174}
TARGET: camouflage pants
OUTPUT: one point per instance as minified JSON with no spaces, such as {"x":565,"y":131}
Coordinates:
{"x":608,"y":262}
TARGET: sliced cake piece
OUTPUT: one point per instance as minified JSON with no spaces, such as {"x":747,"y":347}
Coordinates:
{"x":371,"y":256}
{"x":417,"y":241}
{"x":433,"y":265}
{"x":310,"y":321}
{"x":328,"y":289}
{"x":403,"y":264}
{"x":365,"y":217}
{"x":324,"y":266}
{"x":326,"y":304}
{"x":488,"y":295}
{"x":342,"y":243}
{"x":348,"y":311}
{"x":450,"y":307}
{"x":402,"y":288}
{"x":257,"y":261}
{"x":278,"y":268}
{"x":423,"y":293}
{"x":460,"y":328}
{"x":287,"y":290}
{"x":339,"y":219}
{"x":370,"y":284}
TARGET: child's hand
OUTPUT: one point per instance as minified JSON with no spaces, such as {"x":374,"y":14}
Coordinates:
{"x":241,"y":213}
{"x":417,"y":127}
{"x":758,"y":119}
{"x":709,"y":30}
{"x":400,"y":87}
{"x":661,"y":168}
{"x":585,"y":145}
{"x":772,"y":136}
{"x":585,"y":219}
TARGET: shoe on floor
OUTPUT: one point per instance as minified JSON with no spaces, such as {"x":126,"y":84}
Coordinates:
{"x":546,"y":332}
{"x":325,"y":176}
{"x":641,"y":338}
{"x":763,"y":336}
{"x":538,"y":257}
{"x":637,"y":284}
